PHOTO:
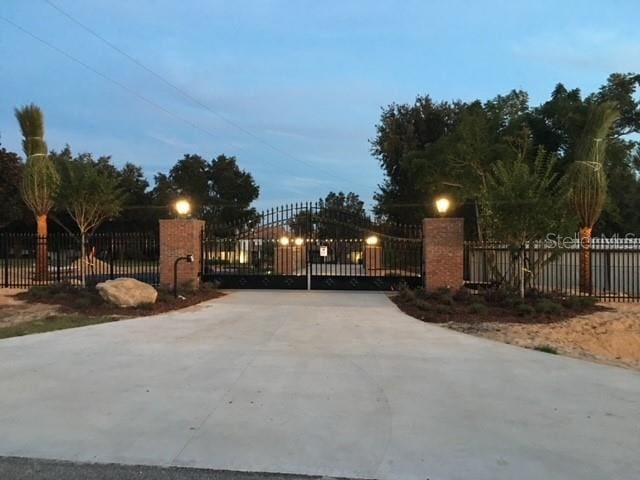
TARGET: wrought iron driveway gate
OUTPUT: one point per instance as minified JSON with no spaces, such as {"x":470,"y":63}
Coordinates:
{"x":312,"y":246}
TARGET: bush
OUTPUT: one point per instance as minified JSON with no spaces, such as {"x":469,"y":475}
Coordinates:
{"x":209,"y":286}
{"x":405,"y":294}
{"x":579,"y":303}
{"x":534,"y":294}
{"x":502,"y":296}
{"x":548,"y":306}
{"x":463,"y":295}
{"x":546,"y":349}
{"x":478,"y":308}
{"x":82,"y":302}
{"x":523,"y":309}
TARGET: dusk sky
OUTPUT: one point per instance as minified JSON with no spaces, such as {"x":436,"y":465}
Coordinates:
{"x":306,"y":79}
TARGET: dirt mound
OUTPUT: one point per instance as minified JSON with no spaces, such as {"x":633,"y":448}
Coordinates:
{"x":610,"y":336}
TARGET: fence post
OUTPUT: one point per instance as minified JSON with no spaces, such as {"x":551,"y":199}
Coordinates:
{"x":443,"y":252}
{"x":6,"y":261}
{"x":57,"y":249}
{"x":111,"y":256}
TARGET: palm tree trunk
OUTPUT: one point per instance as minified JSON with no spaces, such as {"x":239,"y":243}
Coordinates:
{"x":585,"y":260}
{"x":42,"y":261}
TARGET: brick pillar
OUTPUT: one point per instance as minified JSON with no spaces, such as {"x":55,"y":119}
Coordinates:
{"x":179,"y":238}
{"x":443,"y":252}
{"x":373,"y":260}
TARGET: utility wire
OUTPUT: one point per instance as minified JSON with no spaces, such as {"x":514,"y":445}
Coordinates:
{"x":107,"y":78}
{"x":111,"y":80}
{"x":187,"y":95}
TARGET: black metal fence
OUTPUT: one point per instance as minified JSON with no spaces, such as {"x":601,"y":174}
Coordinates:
{"x":551,"y":267}
{"x":26,"y":259}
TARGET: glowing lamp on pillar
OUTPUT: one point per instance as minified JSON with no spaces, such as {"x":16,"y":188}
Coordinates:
{"x":442,"y":206}
{"x":371,"y":240}
{"x":182,"y":208}
{"x":284,"y":241}
{"x":298,"y":242}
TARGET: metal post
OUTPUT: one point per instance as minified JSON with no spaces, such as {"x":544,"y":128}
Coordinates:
{"x":189,"y":258}
{"x":6,"y":261}
{"x":58,"y":266}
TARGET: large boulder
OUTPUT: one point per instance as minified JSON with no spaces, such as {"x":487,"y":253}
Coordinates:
{"x":127,"y":292}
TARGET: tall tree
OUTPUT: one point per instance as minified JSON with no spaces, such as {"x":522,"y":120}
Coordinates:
{"x":588,"y":180}
{"x":10,"y":179}
{"x":40,"y":180}
{"x":338,"y":215}
{"x":219,"y":191}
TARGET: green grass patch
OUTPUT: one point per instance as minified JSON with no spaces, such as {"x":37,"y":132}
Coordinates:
{"x":546,"y":349}
{"x":53,"y":322}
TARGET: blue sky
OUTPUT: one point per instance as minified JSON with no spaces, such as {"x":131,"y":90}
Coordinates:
{"x":305,"y":77}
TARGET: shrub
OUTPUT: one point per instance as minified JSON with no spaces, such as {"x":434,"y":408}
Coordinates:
{"x":548,"y":306}
{"x":405,"y":294}
{"x":478,"y":308}
{"x":534,"y":294}
{"x":463,"y":295}
{"x":82,"y":302}
{"x":546,"y":349}
{"x":208,"y":286}
{"x":579,"y":303}
{"x":502,"y":296}
{"x":523,"y":309}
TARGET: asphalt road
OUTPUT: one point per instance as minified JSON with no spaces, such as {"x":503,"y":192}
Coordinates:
{"x":16,"y":468}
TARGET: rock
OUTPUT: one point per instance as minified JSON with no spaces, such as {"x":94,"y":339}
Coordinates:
{"x":127,"y":292}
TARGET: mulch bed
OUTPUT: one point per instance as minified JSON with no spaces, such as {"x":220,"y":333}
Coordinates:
{"x":432,"y":311}
{"x":97,"y":307}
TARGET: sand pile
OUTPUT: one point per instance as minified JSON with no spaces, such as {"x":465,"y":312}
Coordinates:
{"x":93,"y":265}
{"x":611,"y":336}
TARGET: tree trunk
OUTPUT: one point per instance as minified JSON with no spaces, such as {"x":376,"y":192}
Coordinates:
{"x":585,"y":260}
{"x":42,"y":261}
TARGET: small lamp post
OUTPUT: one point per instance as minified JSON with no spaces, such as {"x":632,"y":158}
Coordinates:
{"x":182,"y":208}
{"x":189,"y":259}
{"x":442,"y":206}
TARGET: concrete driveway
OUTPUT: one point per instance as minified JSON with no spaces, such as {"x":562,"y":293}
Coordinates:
{"x":325,"y":383}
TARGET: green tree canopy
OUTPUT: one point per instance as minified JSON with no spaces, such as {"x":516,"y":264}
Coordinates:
{"x":219,"y":191}
{"x":10,"y":180}
{"x":430,"y":148}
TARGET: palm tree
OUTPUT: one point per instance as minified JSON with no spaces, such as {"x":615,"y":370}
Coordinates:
{"x":588,"y":180}
{"x":40,"y":179}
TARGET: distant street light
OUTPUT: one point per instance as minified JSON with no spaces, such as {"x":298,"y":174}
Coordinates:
{"x":298,"y":241}
{"x":442,"y":205}
{"x":182,"y":207}
{"x":284,"y":241}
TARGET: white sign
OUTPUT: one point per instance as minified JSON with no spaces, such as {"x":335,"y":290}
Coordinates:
{"x":324,"y":250}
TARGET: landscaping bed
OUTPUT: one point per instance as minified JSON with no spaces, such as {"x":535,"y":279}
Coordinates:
{"x":495,"y":305}
{"x":572,"y":326}
{"x":59,"y":306}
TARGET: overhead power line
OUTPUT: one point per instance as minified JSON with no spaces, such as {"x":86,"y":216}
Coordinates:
{"x":187,"y":95}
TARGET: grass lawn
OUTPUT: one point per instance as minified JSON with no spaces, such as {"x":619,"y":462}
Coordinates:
{"x":54,"y":322}
{"x":60,"y":306}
